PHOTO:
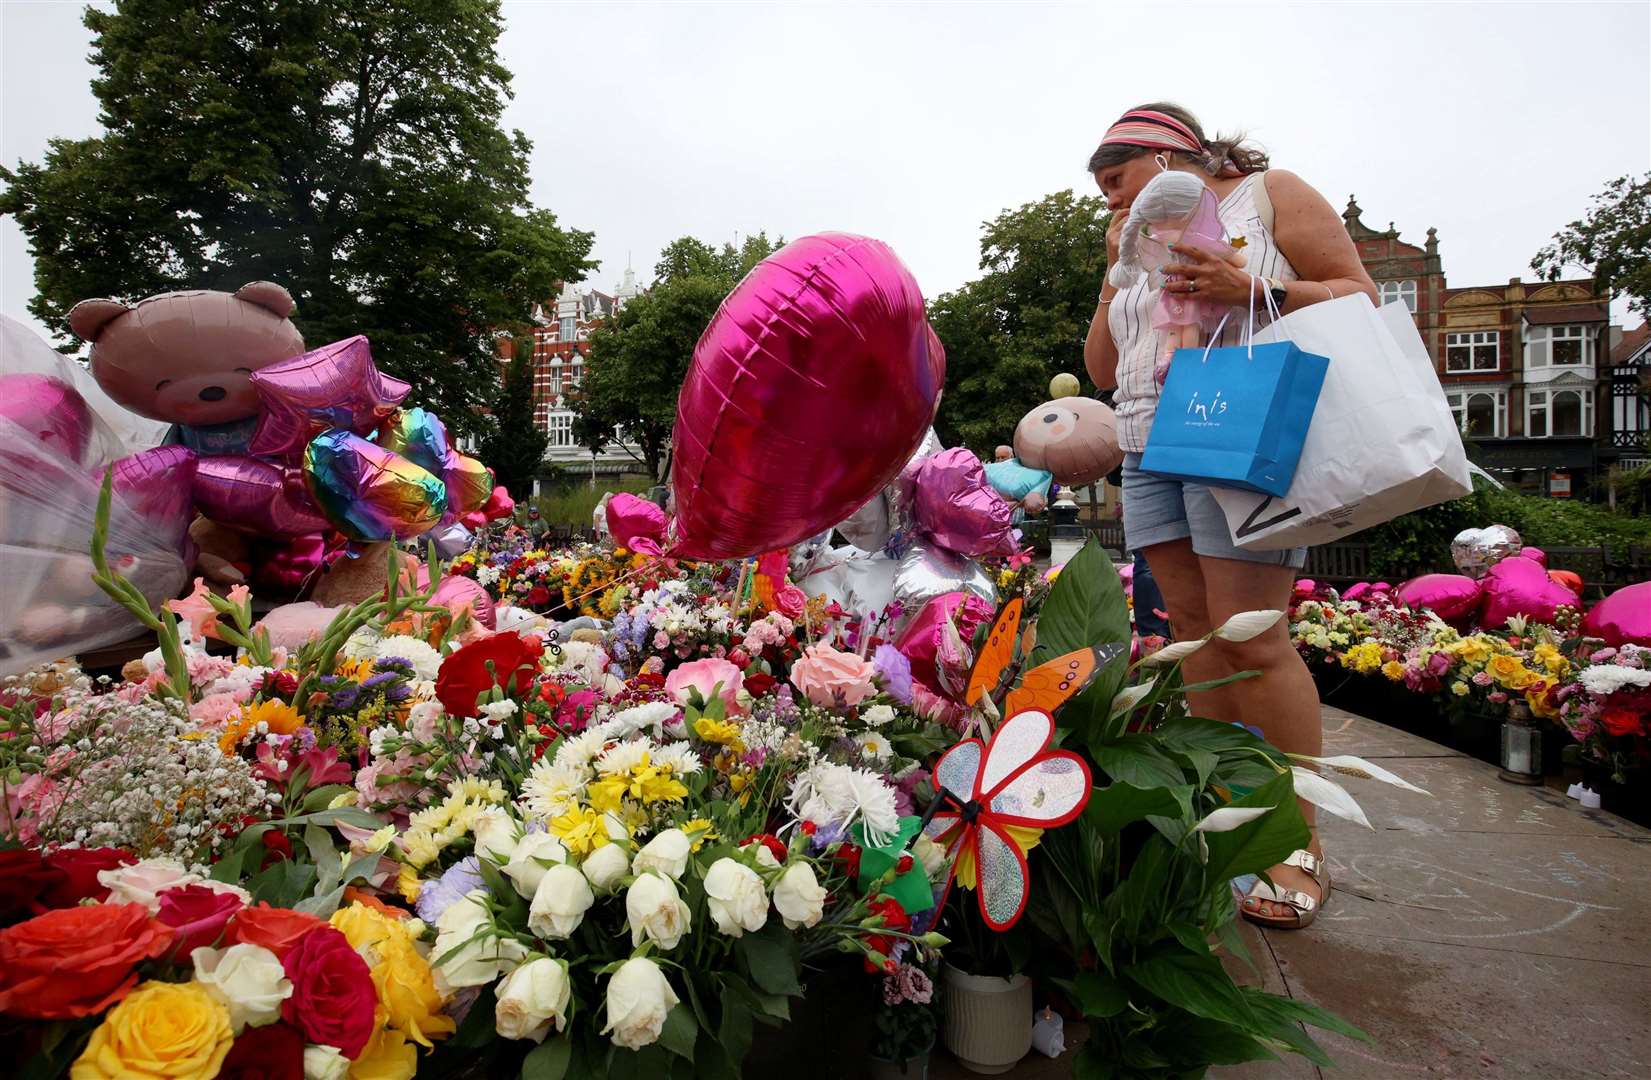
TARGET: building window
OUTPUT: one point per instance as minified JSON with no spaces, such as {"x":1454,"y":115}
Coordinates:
{"x":575,"y":373}
{"x":569,"y":333}
{"x":1560,"y":414}
{"x":1476,"y":351}
{"x":1404,"y":291}
{"x":1558,"y":346}
{"x":1480,"y":413}
{"x":561,"y":429}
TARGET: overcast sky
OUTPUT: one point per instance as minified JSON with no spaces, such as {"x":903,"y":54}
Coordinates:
{"x":914,"y":123}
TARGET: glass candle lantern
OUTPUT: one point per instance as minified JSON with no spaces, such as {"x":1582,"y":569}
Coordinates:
{"x":1521,"y":758}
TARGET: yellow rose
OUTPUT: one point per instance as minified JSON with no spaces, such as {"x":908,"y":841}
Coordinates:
{"x":1471,"y":649}
{"x":172,"y":1030}
{"x":1460,"y":689}
{"x":406,"y":989}
{"x":389,"y":1056}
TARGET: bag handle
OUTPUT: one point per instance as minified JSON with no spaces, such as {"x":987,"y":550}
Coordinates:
{"x":1273,"y":315}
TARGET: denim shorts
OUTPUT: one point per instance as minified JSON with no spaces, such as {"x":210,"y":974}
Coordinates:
{"x":1158,"y":511}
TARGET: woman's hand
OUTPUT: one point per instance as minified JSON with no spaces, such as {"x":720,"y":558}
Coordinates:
{"x":1208,"y":277}
{"x":1114,"y":235}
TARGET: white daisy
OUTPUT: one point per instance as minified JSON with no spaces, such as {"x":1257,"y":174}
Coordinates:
{"x":425,"y":659}
{"x":621,"y":758}
{"x":680,"y":756}
{"x":651,"y":717}
{"x":551,"y":790}
{"x":578,"y":751}
{"x":873,"y":747}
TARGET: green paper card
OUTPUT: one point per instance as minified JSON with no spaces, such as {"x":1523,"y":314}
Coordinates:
{"x":911,"y":889}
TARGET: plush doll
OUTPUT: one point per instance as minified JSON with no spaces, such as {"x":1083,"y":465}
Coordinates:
{"x":1175,"y":208}
{"x":1074,"y":439}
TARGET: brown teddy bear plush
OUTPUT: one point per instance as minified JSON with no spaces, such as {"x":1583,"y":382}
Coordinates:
{"x":1073,"y":438}
{"x":350,"y":581}
{"x":186,"y":357}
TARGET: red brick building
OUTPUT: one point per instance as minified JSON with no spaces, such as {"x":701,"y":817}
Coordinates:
{"x":1525,"y":366}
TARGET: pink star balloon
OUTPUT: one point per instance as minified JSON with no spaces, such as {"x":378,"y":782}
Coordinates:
{"x":335,"y":386}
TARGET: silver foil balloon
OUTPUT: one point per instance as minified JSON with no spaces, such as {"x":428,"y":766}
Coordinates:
{"x":868,"y":527}
{"x":451,"y":539}
{"x":1475,"y":551}
{"x":927,"y":571}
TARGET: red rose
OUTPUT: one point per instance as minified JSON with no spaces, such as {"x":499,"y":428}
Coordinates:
{"x":80,"y":867}
{"x":538,"y":596}
{"x":759,"y":684}
{"x":276,"y":846}
{"x":332,"y":998}
{"x":197,"y":915}
{"x":25,"y":881}
{"x":769,"y":841}
{"x":1621,"y":721}
{"x":464,"y":676}
{"x":272,"y":1052}
{"x":76,"y":961}
{"x":276,"y":929}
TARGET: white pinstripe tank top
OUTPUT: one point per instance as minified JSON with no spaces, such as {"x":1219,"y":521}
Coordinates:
{"x":1129,"y":316}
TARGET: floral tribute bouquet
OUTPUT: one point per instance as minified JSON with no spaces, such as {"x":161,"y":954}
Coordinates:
{"x":1604,"y":703}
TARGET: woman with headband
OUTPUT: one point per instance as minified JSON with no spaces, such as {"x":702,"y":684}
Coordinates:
{"x":1299,"y":251}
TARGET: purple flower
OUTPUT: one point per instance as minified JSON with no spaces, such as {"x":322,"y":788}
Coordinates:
{"x":894,"y":672}
{"x":439,"y":895}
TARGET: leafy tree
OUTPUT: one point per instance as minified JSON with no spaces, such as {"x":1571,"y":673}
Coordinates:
{"x":1613,"y":241}
{"x":639,"y":359}
{"x":1023,"y":321}
{"x":348,"y":149}
{"x":514,"y":446}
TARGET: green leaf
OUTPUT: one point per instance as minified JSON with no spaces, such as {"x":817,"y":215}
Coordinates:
{"x":1085,"y":607}
{"x":1203,"y":763}
{"x":1099,"y":994}
{"x":1122,"y":803}
{"x":771,"y":955}
{"x":1225,"y":680}
{"x":1302,"y":1012}
{"x":477,"y":1029}
{"x":1256,"y":845}
{"x":1135,"y":759}
{"x":680,"y":1031}
{"x":328,"y":864}
{"x":736,"y":1030}
{"x":549,"y":1060}
{"x":1196,"y":983}
{"x":321,"y":796}
{"x":1210,"y":1042}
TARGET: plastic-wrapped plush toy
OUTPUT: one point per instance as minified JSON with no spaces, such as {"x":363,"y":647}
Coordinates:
{"x":1175,"y":208}
{"x":1075,"y":439}
{"x":58,"y":435}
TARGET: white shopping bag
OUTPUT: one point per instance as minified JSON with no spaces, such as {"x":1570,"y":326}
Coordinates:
{"x":1382,"y":443}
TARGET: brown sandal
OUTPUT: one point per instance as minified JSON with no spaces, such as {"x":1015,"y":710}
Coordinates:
{"x":1304,"y":908}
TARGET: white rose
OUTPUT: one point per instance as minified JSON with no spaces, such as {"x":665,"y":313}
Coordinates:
{"x":325,"y":1063}
{"x":765,"y":858}
{"x":798,"y":896}
{"x":140,"y":882}
{"x":560,"y":903}
{"x":605,"y":866}
{"x":496,"y":834}
{"x":667,"y":853}
{"x":931,"y":855}
{"x":479,"y":958}
{"x":877,"y":715}
{"x":525,"y":868}
{"x":655,"y":911}
{"x":738,"y":902}
{"x":248,"y":979}
{"x":639,"y":999}
{"x":531,"y":998}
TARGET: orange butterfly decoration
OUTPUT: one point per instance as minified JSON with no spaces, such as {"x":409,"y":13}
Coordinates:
{"x":1046,"y":687}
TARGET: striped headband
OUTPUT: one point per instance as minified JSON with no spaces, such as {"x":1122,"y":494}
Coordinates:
{"x":1160,"y":131}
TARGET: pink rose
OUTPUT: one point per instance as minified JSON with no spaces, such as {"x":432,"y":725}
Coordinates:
{"x":708,"y":677}
{"x":829,"y":677}
{"x":214,"y":710}
{"x":790,"y":601}
{"x":662,"y":640}
{"x":197,"y":915}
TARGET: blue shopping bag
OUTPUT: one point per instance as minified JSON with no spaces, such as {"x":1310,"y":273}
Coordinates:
{"x":1235,"y":416}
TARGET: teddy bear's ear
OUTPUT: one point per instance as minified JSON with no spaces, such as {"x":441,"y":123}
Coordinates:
{"x":267,"y":294}
{"x":88,"y":318}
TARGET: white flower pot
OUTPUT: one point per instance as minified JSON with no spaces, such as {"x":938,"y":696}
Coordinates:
{"x":988,"y":1020}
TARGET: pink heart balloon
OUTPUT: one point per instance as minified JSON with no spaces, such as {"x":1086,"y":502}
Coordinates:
{"x":456,"y":593}
{"x":1521,"y":586}
{"x":335,"y":386}
{"x":958,"y":508}
{"x":636,"y":524}
{"x":810,"y":388}
{"x":1453,"y":597}
{"x":257,"y":496}
{"x":1623,"y":618}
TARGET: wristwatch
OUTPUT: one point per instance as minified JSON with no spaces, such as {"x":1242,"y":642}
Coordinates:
{"x":1275,"y":288}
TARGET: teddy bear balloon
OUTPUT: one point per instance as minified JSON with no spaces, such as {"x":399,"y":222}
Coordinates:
{"x":1175,"y":208}
{"x":1075,"y":439}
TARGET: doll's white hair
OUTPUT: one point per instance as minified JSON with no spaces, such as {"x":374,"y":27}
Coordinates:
{"x":1167,"y":196}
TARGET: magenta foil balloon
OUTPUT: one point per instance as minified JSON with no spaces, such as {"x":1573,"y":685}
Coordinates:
{"x":456,"y":592}
{"x":1521,"y":586}
{"x":256,"y":496}
{"x":335,"y":386}
{"x":810,"y":388}
{"x":1536,"y":555}
{"x":1452,"y":597}
{"x":636,"y":524}
{"x":1623,"y":618}
{"x":959,"y":509}
{"x":159,"y":484}
{"x":49,"y":409}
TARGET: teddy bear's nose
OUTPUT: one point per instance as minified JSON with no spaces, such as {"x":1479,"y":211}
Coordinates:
{"x":213,"y":393}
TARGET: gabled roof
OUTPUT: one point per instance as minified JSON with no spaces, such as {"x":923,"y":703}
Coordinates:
{"x":1633,"y":343}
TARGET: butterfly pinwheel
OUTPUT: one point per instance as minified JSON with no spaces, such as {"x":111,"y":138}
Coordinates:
{"x":995,"y":799}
